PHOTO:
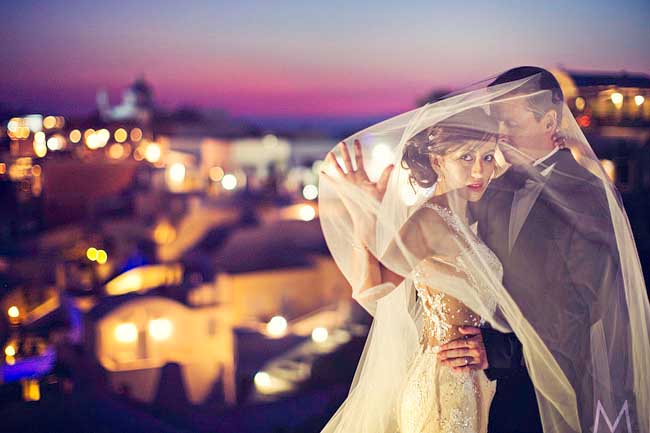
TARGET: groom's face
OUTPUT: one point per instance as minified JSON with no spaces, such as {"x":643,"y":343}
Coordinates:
{"x":522,"y":137}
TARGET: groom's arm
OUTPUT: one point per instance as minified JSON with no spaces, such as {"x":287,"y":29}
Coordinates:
{"x":504,"y":353}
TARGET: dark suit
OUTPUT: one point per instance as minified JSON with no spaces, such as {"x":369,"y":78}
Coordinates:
{"x":562,"y":257}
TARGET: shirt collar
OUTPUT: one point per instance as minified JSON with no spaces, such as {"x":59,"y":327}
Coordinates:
{"x":547,"y":156}
{"x":547,"y":170}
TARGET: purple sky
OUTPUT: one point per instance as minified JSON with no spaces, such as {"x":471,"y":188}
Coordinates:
{"x":299,"y":58}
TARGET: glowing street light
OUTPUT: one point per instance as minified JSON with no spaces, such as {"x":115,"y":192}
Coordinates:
{"x":229,"y":182}
{"x":216,"y":174}
{"x":136,"y":134}
{"x":40,"y":148}
{"x":262,"y":379}
{"x":91,"y":254}
{"x":277,"y":326}
{"x":310,"y":192}
{"x":116,"y":151}
{"x":55,"y":142}
{"x":10,"y":350}
{"x":120,"y":135}
{"x":13,"y":312}
{"x":75,"y":136}
{"x":176,"y":173}
{"x":319,"y":334}
{"x":102,"y":257}
{"x":153,"y":152}
{"x":49,"y":122}
{"x":617,"y":99}
{"x":638,"y":100}
{"x":306,"y":213}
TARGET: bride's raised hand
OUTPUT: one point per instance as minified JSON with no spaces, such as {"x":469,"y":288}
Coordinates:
{"x":358,"y":176}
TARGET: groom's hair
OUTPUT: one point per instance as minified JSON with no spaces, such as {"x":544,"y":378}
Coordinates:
{"x":549,"y":96}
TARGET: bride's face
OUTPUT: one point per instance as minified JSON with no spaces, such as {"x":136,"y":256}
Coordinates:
{"x":467,"y":170}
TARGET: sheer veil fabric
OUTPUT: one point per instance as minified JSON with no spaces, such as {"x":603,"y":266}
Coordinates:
{"x":582,"y":314}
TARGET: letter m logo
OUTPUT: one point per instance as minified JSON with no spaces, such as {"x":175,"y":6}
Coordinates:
{"x":612,"y":427}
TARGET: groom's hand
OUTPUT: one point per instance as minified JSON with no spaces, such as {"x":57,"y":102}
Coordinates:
{"x":466,"y":352}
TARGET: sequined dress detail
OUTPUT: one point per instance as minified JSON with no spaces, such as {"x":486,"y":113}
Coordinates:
{"x":436,"y":399}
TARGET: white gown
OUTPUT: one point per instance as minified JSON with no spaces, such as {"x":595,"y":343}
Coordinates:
{"x":435,"y":399}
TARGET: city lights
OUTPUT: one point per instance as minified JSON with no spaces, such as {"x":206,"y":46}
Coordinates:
{"x":55,"y":142}
{"x":91,"y":254}
{"x":120,"y":135}
{"x":229,"y":182}
{"x":176,"y":173}
{"x":103,"y":135}
{"x":136,"y":134}
{"x":319,"y":334}
{"x":102,"y":257}
{"x":10,"y":350}
{"x":639,"y":100}
{"x":262,"y":380}
{"x":31,"y":390}
{"x":164,"y":233}
{"x":617,"y":99}
{"x":126,"y":333}
{"x":49,"y":122}
{"x":40,"y":148}
{"x":216,"y":174}
{"x":116,"y":151}
{"x":268,"y":384}
{"x":306,"y":213}
{"x":310,"y":192}
{"x":13,"y":312}
{"x":152,"y":153}
{"x":93,"y":140}
{"x":580,"y":103}
{"x":160,"y":329}
{"x":277,"y":327}
{"x":96,"y":255}
{"x":75,"y":136}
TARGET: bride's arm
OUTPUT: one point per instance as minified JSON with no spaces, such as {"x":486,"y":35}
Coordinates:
{"x":376,"y":280}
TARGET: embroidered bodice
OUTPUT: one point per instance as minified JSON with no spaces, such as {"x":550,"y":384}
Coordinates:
{"x":443,"y":313}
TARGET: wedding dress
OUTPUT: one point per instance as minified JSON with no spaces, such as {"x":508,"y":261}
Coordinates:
{"x":436,"y":399}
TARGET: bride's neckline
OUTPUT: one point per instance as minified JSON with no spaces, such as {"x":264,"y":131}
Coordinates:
{"x":444,"y":206}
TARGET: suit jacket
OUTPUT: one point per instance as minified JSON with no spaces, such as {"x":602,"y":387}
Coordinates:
{"x":564,"y":252}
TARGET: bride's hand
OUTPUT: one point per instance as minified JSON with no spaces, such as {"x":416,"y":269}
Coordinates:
{"x":359,"y":176}
{"x":466,"y":352}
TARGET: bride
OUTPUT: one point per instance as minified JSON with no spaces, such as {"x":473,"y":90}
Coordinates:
{"x":460,"y":162}
{"x":408,"y":245}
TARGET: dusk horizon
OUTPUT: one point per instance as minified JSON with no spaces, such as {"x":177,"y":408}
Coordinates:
{"x":256,"y":59}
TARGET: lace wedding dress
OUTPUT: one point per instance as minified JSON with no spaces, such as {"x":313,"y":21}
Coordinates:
{"x":436,"y":399}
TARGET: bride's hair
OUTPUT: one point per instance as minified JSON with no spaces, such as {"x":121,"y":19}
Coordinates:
{"x":442,"y":138}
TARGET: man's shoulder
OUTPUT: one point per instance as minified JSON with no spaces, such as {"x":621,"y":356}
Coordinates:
{"x":575,"y":187}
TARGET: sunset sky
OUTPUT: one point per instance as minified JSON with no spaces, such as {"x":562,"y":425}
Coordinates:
{"x":300,"y":58}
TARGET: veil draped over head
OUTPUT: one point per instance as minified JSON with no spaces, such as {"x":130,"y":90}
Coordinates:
{"x":571,"y":289}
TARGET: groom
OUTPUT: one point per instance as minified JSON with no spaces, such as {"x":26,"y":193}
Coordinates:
{"x":519,"y":221}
